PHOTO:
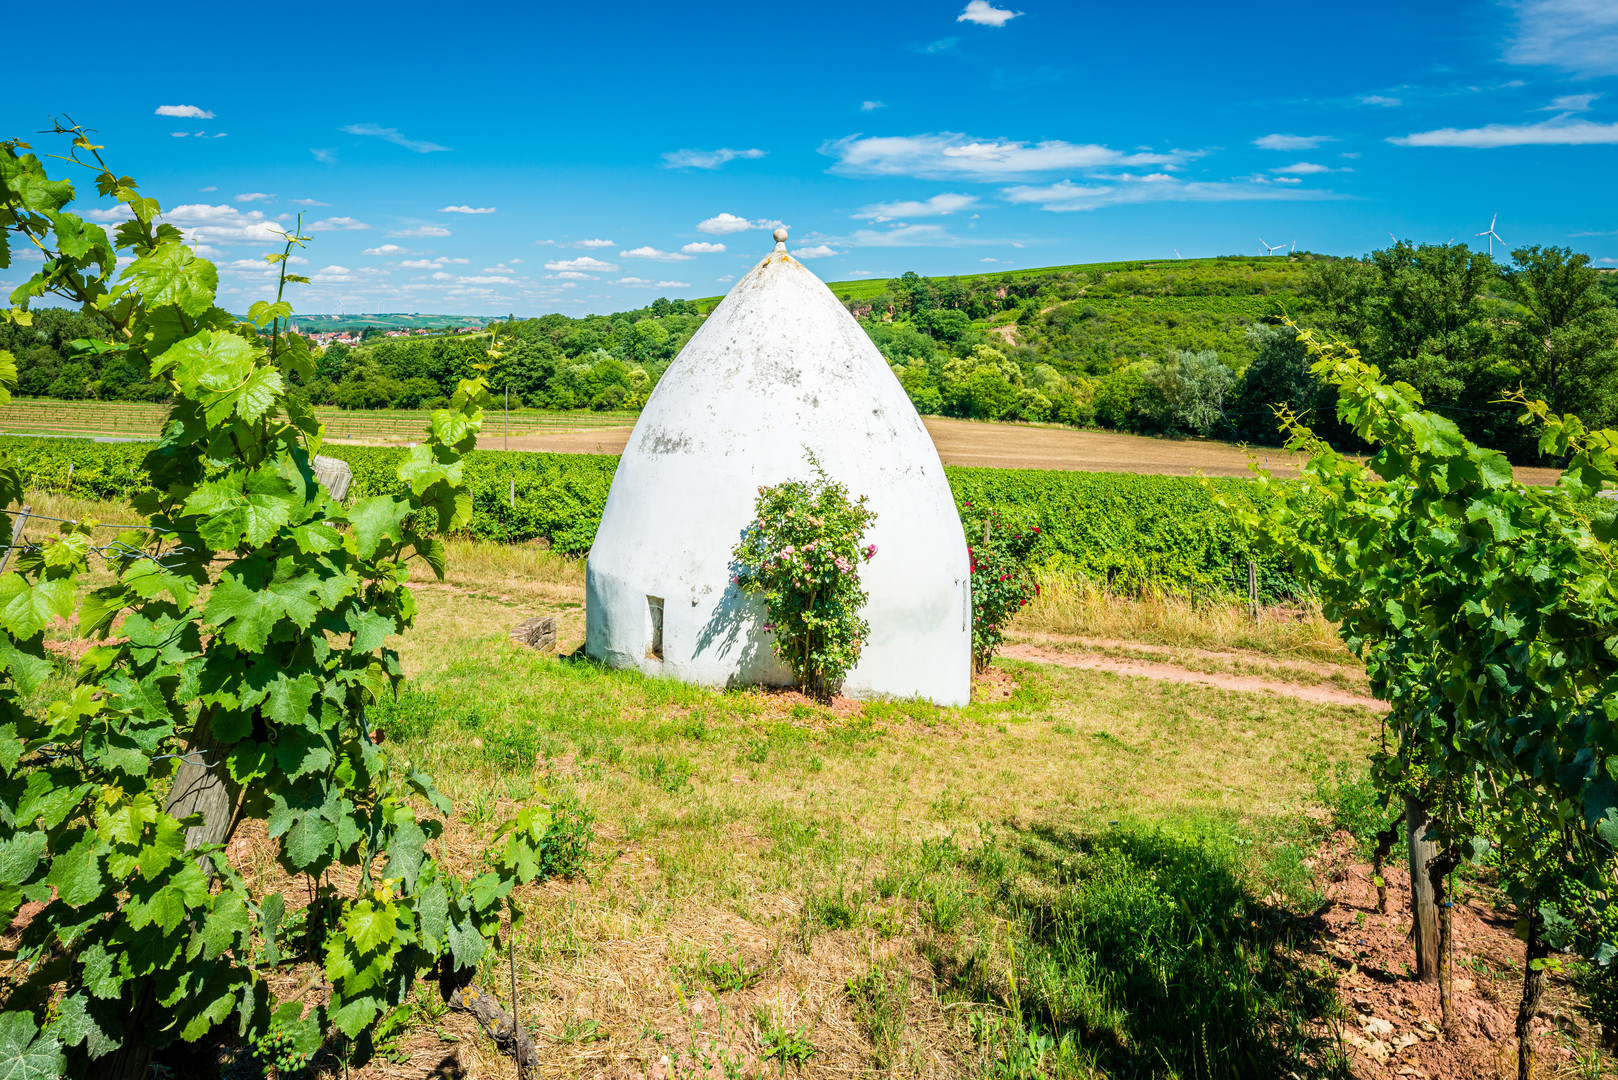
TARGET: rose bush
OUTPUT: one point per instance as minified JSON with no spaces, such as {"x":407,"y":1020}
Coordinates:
{"x":802,"y":553}
{"x":1003,"y":579}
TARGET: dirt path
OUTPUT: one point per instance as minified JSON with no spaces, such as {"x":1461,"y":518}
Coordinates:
{"x":1149,"y":669}
{"x":1020,"y":446}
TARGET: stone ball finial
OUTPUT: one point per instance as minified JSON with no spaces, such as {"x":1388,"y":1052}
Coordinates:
{"x":780,"y":236}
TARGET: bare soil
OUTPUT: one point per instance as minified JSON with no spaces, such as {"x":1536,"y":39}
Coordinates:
{"x":1023,"y":446}
{"x":1394,"y":1025}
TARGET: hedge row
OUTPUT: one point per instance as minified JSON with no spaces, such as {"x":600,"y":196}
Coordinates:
{"x":1127,"y":530}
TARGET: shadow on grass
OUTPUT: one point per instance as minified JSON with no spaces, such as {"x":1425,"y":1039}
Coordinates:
{"x":1150,"y":954}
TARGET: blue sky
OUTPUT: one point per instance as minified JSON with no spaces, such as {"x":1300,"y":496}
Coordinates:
{"x":575,"y":158}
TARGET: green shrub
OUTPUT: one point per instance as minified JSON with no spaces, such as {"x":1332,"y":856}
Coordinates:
{"x":802,"y":553}
{"x":1003,"y":580}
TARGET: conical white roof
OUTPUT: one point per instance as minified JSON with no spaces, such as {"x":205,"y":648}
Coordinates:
{"x":778,"y":366}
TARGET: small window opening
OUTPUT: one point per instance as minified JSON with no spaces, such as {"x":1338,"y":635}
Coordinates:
{"x":654,"y":628}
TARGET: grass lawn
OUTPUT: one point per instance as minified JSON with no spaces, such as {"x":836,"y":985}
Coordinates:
{"x":1078,"y":874}
{"x":1075,"y":871}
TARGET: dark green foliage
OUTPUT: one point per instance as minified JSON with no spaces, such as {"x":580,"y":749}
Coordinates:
{"x":1278,"y":376}
{"x":1564,"y":340}
{"x":54,"y":360}
{"x":1146,"y":946}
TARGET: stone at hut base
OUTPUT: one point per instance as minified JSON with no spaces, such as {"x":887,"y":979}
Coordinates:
{"x":538,"y":633}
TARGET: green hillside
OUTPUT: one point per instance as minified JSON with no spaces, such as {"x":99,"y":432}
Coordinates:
{"x":1180,"y":271}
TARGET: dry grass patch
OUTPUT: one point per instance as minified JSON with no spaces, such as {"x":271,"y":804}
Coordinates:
{"x":1075,"y":608}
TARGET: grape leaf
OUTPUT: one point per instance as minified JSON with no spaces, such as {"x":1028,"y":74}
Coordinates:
{"x":25,"y":1054}
{"x":76,"y":872}
{"x":173,"y":274}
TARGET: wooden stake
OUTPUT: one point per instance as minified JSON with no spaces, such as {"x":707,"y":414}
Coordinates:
{"x":16,"y":536}
{"x":1252,"y":589}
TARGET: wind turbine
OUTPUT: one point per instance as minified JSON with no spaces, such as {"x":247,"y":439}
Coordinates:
{"x":1177,"y":253}
{"x":1492,"y":235}
{"x":1270,"y":249}
{"x":1294,"y":250}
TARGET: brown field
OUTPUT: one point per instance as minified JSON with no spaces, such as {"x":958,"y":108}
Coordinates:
{"x":1024,"y":446}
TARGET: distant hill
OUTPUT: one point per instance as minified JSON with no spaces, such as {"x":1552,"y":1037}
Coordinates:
{"x":325,"y":324}
{"x":1219,"y":266}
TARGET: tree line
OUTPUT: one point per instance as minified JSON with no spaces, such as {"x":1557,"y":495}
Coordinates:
{"x":1180,"y":348}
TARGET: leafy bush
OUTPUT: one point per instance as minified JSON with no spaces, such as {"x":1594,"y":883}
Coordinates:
{"x":1186,"y":393}
{"x":802,"y":553}
{"x":1002,"y":577}
{"x":251,"y":612}
{"x":1483,"y":608}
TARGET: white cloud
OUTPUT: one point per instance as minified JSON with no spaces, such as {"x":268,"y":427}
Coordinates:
{"x":203,"y":223}
{"x":949,"y":154}
{"x":702,"y":247}
{"x":325,"y":157}
{"x":1570,"y":103}
{"x":495,"y":279}
{"x":582,"y":263}
{"x":871,"y":106}
{"x":655,"y":255}
{"x":112,"y":215}
{"x":392,"y":135}
{"x":387,"y":249}
{"x":574,"y":275}
{"x":986,"y":14}
{"x":417,"y":264}
{"x":253,"y":196}
{"x":725,"y":224}
{"x":1554,"y":132}
{"x":1379,"y":100}
{"x":188,"y":111}
{"x":335,"y":224}
{"x":1578,"y":36}
{"x":308,"y":202}
{"x":210,"y":187}
{"x":1302,"y":168}
{"x":707,"y":159}
{"x":937,"y":206}
{"x":646,"y":283}
{"x":441,"y":276}
{"x":421,"y":230}
{"x":594,"y":243}
{"x":819,"y":251}
{"x":334,"y":275}
{"x":1068,"y":196}
{"x":906,"y":236}
{"x":466,"y":209}
{"x":1291,"y":142}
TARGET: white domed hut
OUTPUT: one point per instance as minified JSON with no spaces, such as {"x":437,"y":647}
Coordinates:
{"x":778,"y":366}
